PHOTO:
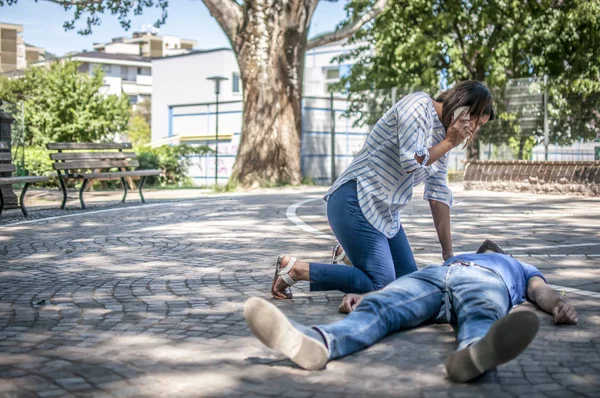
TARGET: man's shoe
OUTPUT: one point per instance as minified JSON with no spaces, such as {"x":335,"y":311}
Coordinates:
{"x":507,"y":338}
{"x":301,"y":344}
{"x":488,"y":245}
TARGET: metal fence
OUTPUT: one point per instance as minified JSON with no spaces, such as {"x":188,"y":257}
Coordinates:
{"x":335,"y":128}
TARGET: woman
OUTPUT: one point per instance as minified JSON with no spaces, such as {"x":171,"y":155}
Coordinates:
{"x":408,"y":145}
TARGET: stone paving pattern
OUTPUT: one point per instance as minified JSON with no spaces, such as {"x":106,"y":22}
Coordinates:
{"x":147,"y":302}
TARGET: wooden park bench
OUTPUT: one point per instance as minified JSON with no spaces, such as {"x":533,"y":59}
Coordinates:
{"x":94,"y":161}
{"x":6,"y":166}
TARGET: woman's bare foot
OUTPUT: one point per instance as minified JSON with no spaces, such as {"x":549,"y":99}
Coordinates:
{"x":299,"y":272}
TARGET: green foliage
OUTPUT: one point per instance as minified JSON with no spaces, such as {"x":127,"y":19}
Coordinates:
{"x":422,"y":45}
{"x":522,"y":147}
{"x":138,"y":130}
{"x":173,"y":160}
{"x":63,"y":105}
{"x":37,"y":163}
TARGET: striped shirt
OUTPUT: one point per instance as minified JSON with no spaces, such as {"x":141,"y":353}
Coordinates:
{"x":386,"y":170}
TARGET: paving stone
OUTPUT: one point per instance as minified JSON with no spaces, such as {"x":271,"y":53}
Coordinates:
{"x":149,"y":302}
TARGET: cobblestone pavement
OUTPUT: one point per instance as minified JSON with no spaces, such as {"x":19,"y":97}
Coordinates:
{"x":147,"y":301}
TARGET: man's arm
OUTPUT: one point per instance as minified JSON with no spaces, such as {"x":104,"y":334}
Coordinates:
{"x":551,"y":301}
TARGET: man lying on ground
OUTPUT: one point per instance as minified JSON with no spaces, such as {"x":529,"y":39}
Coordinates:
{"x":472,"y":292}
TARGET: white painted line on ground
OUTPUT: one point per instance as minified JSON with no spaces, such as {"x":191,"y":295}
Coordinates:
{"x":551,"y":246}
{"x":290,"y":213}
{"x":142,"y":206}
{"x":293,"y":217}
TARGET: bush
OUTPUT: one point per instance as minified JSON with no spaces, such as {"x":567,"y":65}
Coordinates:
{"x":37,"y":163}
{"x":173,"y":160}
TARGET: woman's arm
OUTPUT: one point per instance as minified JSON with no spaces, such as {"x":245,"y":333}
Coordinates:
{"x":441,"y":219}
{"x":435,"y":152}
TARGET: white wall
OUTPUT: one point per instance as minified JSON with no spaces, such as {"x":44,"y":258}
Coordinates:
{"x":183,"y":80}
{"x":122,"y":48}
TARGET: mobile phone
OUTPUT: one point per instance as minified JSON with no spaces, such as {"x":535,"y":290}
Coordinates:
{"x":464,"y":111}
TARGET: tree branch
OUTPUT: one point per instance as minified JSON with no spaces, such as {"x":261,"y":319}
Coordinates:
{"x":349,"y":29}
{"x":74,"y":2}
{"x":468,"y":64}
{"x":228,"y":14}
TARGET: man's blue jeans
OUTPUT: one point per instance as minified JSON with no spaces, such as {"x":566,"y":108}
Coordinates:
{"x":377,"y":261}
{"x":468,"y":297}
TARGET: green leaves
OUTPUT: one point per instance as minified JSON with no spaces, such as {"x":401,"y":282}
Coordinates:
{"x":90,"y":11}
{"x":173,"y":160}
{"x":422,"y":45}
{"x":63,"y":105}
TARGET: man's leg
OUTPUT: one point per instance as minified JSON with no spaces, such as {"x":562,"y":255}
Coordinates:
{"x":405,"y":303}
{"x":486,"y":336}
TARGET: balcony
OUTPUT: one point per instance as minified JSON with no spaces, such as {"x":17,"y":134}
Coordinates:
{"x":144,"y":80}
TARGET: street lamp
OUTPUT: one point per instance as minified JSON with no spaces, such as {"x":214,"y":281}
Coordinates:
{"x":217,"y":80}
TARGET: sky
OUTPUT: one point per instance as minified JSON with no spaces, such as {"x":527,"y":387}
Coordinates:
{"x":190,"y":19}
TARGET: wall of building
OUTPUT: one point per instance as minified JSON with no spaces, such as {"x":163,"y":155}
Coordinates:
{"x":183,"y":80}
{"x":122,"y":48}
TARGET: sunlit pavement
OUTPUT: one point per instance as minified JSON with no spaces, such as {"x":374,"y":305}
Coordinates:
{"x":147,"y":301}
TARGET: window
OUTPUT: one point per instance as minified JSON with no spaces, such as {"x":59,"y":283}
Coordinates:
{"x":332,"y":73}
{"x":124,"y":72}
{"x":332,"y":76}
{"x":139,"y":71}
{"x":235,"y":82}
{"x":133,"y":99}
{"x":106,"y":68}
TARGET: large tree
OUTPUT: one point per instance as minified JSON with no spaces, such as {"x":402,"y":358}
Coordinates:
{"x":422,"y":44}
{"x":269,"y":38}
{"x":61,"y":104}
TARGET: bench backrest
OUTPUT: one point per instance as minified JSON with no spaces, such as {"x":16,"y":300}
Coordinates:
{"x":92,"y":156}
{"x":6,"y":165}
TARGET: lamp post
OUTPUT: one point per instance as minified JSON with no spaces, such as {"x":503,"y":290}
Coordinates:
{"x":217,"y":80}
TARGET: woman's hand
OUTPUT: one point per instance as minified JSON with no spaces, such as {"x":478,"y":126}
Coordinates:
{"x":459,"y":131}
{"x":447,"y":255}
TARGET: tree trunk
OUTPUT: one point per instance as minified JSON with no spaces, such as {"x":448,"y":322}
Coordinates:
{"x":473,"y":150}
{"x":522,"y":141}
{"x":270,"y":47}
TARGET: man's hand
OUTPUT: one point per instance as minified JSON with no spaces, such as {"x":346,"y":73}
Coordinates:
{"x":564,"y":313}
{"x":350,"y":302}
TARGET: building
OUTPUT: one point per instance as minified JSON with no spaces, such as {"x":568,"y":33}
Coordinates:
{"x":15,"y":54}
{"x":147,"y":44}
{"x":123,"y":74}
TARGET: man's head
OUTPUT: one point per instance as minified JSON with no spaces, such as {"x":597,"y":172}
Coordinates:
{"x":489,"y":247}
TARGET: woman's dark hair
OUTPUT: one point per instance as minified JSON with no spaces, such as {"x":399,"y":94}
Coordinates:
{"x":469,"y":93}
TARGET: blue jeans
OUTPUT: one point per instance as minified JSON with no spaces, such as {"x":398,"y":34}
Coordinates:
{"x":377,"y":261}
{"x":468,"y":297}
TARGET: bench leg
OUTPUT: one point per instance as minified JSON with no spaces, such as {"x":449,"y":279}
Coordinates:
{"x":142,"y":181}
{"x":63,"y":187}
{"x":85,"y":182}
{"x":1,"y":201}
{"x":22,"y":199}
{"x":124,"y":183}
